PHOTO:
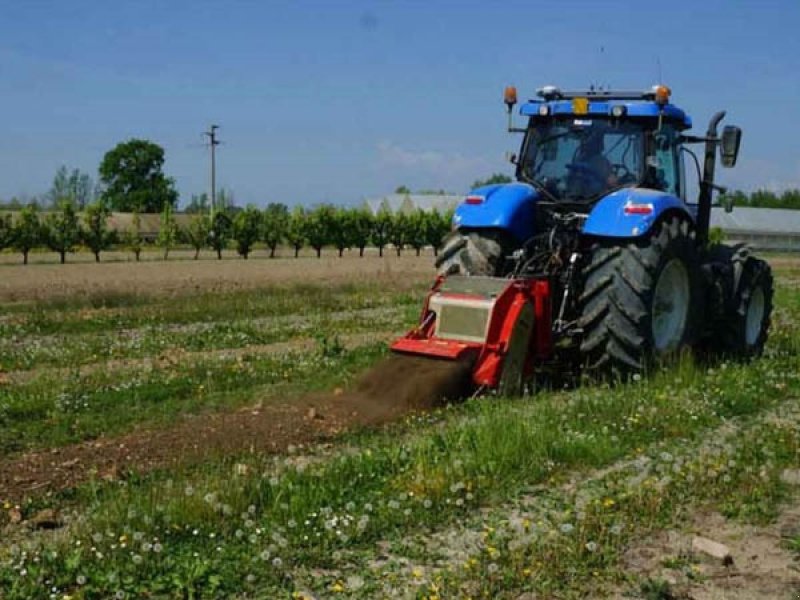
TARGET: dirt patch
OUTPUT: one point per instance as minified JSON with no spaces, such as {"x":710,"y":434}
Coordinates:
{"x":396,"y":386}
{"x":761,"y":568}
{"x":96,"y":281}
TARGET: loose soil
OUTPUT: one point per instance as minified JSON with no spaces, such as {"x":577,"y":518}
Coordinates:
{"x":396,"y":386}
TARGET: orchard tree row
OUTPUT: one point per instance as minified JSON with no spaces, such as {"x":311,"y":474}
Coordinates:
{"x":65,"y":229}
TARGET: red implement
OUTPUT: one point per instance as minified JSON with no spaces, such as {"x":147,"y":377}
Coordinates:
{"x":502,"y":325}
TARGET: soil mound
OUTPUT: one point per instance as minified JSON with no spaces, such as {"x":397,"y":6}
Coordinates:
{"x":396,"y":386}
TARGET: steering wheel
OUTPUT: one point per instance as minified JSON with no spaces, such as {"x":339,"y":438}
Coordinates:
{"x":622,"y":173}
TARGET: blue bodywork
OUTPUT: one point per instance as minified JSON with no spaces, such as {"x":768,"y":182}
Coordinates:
{"x":609,"y":219}
{"x":633,"y":110}
{"x":509,"y":207}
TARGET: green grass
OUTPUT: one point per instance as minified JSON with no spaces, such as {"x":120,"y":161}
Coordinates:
{"x":487,"y":499}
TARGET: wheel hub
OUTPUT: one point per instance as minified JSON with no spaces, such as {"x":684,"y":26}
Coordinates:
{"x":670,"y":307}
{"x":754,"y":317}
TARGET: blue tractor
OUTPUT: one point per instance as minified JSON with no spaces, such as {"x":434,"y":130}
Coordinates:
{"x":599,"y":209}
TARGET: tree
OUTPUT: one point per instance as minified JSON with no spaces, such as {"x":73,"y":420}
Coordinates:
{"x":196,"y":233}
{"x":246,"y":230}
{"x":63,"y":231}
{"x":399,"y":231}
{"x":96,"y":235}
{"x":28,"y":231}
{"x":6,"y":231}
{"x":363,"y":223}
{"x":198,"y":204}
{"x":342,"y":229}
{"x":402,"y":189}
{"x":438,"y":226}
{"x":319,"y":227}
{"x":382,"y":227}
{"x":167,"y":230}
{"x":296,"y":229}
{"x":274,"y":225}
{"x":418,"y":223}
{"x":220,"y":233}
{"x":493,"y":179}
{"x":133,"y":176}
{"x":133,"y":238}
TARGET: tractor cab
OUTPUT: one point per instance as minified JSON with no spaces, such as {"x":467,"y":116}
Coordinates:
{"x":581,"y":146}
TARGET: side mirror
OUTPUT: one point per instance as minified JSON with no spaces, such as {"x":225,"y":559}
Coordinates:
{"x":729,"y":145}
{"x":511,"y":157}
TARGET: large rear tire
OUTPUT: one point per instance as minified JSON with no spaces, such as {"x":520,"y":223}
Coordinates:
{"x":472,"y":253}
{"x":640,"y":300}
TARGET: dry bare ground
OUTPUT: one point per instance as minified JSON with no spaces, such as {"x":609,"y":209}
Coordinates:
{"x":81,"y":280}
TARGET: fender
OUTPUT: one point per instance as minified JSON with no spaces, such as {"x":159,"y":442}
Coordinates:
{"x":510,"y":207}
{"x":631,"y":212}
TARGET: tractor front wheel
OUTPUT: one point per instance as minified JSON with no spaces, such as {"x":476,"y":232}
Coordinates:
{"x":640,"y":299}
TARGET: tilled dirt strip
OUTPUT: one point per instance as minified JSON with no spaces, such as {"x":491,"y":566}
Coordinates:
{"x":398,"y":385}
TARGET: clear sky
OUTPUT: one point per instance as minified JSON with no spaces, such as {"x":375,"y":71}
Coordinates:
{"x":340,"y":100}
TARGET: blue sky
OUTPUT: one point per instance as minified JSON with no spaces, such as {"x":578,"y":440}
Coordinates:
{"x":336,"y":101}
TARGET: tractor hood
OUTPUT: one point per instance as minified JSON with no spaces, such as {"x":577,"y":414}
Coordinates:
{"x":509,"y":207}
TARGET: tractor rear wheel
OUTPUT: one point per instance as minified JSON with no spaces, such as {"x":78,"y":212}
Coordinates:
{"x":743,"y":331}
{"x":472,"y":253}
{"x":640,"y":299}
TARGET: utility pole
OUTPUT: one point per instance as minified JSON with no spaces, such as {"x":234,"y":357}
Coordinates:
{"x":213,"y":142}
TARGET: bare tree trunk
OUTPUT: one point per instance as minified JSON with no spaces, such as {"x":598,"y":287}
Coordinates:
{"x":418,"y":251}
{"x":272,"y":251}
{"x":361,"y":251}
{"x":398,"y":250}
{"x":219,"y":253}
{"x":341,"y":251}
{"x":319,"y":252}
{"x":137,"y":253}
{"x":25,"y":257}
{"x":380,"y":251}
{"x":296,"y":251}
{"x":63,"y":255}
{"x":96,"y":257}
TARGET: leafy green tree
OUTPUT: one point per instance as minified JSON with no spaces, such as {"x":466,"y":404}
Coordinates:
{"x":29,"y":232}
{"x":438,"y":226}
{"x":417,"y":229}
{"x":399,"y":231}
{"x":382,"y":227}
{"x":493,"y":179}
{"x":167,"y":230}
{"x":296,"y":232}
{"x":133,"y":237}
{"x":363,"y":222}
{"x":246,"y":230}
{"x":274,"y":225}
{"x":342,"y":229}
{"x":96,"y":234}
{"x":63,"y":231}
{"x":319,"y":227}
{"x":220,"y":233}
{"x":133,"y":176}
{"x":196,"y":233}
{"x":6,"y":232}
{"x":402,"y":189}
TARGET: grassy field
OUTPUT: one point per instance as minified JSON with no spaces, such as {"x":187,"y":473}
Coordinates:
{"x":554,"y":495}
